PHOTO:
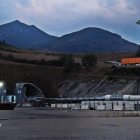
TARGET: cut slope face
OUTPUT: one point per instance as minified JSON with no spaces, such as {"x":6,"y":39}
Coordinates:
{"x":21,"y":35}
{"x":89,"y":40}
{"x":81,"y":88}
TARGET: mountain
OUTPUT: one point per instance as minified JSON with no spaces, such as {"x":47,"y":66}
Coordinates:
{"x":23,"y":36}
{"x":89,"y":40}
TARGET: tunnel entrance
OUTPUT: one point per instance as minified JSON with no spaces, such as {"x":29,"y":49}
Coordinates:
{"x":30,"y":90}
{"x":27,"y":92}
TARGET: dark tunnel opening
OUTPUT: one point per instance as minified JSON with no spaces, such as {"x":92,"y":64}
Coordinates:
{"x":32,"y":91}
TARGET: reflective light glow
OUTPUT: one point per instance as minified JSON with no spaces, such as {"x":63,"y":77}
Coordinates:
{"x":1,"y":84}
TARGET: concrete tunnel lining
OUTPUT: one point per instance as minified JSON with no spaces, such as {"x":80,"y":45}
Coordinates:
{"x":30,"y":90}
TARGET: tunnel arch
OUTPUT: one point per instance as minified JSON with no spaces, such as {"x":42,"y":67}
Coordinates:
{"x":30,"y":90}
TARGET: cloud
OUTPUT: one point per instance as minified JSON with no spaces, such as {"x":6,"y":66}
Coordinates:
{"x":64,"y":16}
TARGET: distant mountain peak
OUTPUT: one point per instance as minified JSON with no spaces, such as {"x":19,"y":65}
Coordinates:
{"x":89,"y":40}
{"x":16,"y":21}
{"x":33,"y":26}
{"x":24,"y":36}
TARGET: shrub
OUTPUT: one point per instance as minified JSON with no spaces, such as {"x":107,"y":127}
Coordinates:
{"x":89,"y":60}
{"x":69,"y":64}
{"x":10,"y":56}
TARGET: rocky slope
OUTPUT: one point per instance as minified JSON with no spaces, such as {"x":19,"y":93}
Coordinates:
{"x":97,"y":87}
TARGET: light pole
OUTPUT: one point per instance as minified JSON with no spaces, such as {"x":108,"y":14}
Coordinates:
{"x":1,"y":85}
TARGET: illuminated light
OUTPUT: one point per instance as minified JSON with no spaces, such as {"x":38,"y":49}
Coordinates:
{"x":1,"y":84}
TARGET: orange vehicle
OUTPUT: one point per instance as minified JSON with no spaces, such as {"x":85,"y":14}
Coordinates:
{"x":130,"y":61}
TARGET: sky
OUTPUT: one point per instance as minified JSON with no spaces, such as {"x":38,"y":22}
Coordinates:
{"x":60,"y":17}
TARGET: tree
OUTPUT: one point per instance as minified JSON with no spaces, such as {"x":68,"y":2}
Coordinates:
{"x":69,"y":64}
{"x":62,"y":59}
{"x":89,"y":60}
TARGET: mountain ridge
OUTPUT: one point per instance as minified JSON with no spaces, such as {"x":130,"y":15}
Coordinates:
{"x":87,"y":40}
{"x":23,"y":36}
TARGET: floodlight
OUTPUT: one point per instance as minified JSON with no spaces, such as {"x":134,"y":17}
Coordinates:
{"x":1,"y":84}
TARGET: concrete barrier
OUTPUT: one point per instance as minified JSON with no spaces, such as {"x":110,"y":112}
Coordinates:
{"x":84,"y":107}
{"x":120,"y":102}
{"x":83,"y":103}
{"x":53,"y":105}
{"x":69,"y":105}
{"x":92,"y":106}
{"x":117,"y":107}
{"x":75,"y":106}
{"x":65,"y":106}
{"x":18,"y":105}
{"x":115,"y":102}
{"x":108,"y":105}
{"x":27,"y":105}
{"x":59,"y":105}
{"x":96,"y":104}
{"x":87,"y":102}
{"x":100,"y":102}
{"x":92,"y":102}
{"x":129,"y":105}
{"x":101,"y":107}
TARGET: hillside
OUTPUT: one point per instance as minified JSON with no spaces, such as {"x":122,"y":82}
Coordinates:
{"x":23,"y":36}
{"x":54,"y":82}
{"x":89,"y":40}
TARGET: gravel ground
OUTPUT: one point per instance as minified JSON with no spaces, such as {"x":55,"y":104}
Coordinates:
{"x":52,"y":124}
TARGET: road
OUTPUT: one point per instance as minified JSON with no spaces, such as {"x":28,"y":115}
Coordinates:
{"x":48,"y":124}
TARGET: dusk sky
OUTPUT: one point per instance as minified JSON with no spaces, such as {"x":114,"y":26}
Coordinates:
{"x":59,"y":17}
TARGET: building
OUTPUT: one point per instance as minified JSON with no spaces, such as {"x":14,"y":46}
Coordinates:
{"x":130,"y":61}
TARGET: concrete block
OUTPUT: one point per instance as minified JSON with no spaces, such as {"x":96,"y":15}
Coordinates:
{"x":26,"y":105}
{"x":76,"y":106}
{"x":92,"y":106}
{"x":59,"y":105}
{"x":138,"y":102}
{"x":18,"y":105}
{"x":53,"y":105}
{"x":100,"y":102}
{"x":120,"y":102}
{"x":108,"y":105}
{"x":110,"y":102}
{"x":118,"y":107}
{"x":84,"y":107}
{"x":96,"y":102}
{"x":115,"y":102}
{"x":83,"y":103}
{"x":129,"y":109}
{"x":92,"y":102}
{"x":87,"y":102}
{"x":65,"y":106}
{"x":69,"y":105}
{"x":101,"y":107}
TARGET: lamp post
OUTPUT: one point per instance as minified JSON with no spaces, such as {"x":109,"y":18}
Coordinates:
{"x":1,"y":85}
